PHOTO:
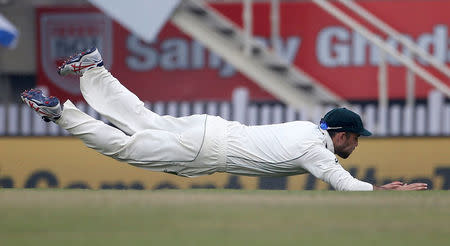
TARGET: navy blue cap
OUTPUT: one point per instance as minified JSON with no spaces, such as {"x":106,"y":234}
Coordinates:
{"x":343,"y":120}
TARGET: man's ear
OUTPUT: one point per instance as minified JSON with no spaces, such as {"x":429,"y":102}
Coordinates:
{"x":340,"y":137}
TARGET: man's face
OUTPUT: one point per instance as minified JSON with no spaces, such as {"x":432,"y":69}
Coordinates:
{"x":345,"y":143}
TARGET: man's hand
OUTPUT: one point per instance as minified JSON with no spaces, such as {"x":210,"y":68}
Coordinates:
{"x":397,"y":185}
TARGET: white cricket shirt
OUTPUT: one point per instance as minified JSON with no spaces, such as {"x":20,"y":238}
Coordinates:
{"x":287,"y":149}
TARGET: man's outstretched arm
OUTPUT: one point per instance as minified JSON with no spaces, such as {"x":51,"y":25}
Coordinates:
{"x":397,"y":185}
{"x":324,"y":165}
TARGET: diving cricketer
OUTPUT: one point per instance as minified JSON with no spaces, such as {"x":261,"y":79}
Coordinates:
{"x":202,"y":144}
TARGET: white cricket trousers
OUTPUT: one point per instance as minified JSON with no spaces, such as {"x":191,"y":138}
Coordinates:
{"x":187,"y":146}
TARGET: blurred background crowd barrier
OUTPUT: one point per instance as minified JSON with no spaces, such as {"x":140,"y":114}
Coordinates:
{"x":427,"y":119}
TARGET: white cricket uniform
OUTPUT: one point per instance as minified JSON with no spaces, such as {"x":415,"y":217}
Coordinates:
{"x":199,"y":144}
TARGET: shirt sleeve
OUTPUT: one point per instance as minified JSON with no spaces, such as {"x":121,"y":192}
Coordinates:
{"x":324,"y":165}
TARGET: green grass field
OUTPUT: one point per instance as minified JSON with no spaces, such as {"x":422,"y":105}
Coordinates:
{"x":223,"y":217}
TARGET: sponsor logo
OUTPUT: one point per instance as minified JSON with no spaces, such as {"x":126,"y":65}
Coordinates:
{"x":177,"y":53}
{"x":64,"y":34}
{"x":337,"y":46}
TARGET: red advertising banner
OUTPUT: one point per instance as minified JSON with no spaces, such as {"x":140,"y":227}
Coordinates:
{"x":175,"y":67}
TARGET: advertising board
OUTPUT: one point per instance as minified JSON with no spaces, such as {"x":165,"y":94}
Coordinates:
{"x":66,"y":163}
{"x":174,"y":67}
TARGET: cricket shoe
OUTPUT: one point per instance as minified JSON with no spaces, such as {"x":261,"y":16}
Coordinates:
{"x":48,"y":108}
{"x":81,"y":62}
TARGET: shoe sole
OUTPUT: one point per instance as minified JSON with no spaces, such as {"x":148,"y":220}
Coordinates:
{"x":76,"y":69}
{"x":44,"y":109}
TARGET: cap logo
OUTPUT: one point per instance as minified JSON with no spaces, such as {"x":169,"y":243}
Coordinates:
{"x":323,"y":126}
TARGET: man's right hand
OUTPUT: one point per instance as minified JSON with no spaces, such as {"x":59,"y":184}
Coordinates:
{"x":397,"y":185}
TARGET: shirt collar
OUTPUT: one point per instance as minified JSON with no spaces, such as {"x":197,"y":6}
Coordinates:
{"x":327,"y":141}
